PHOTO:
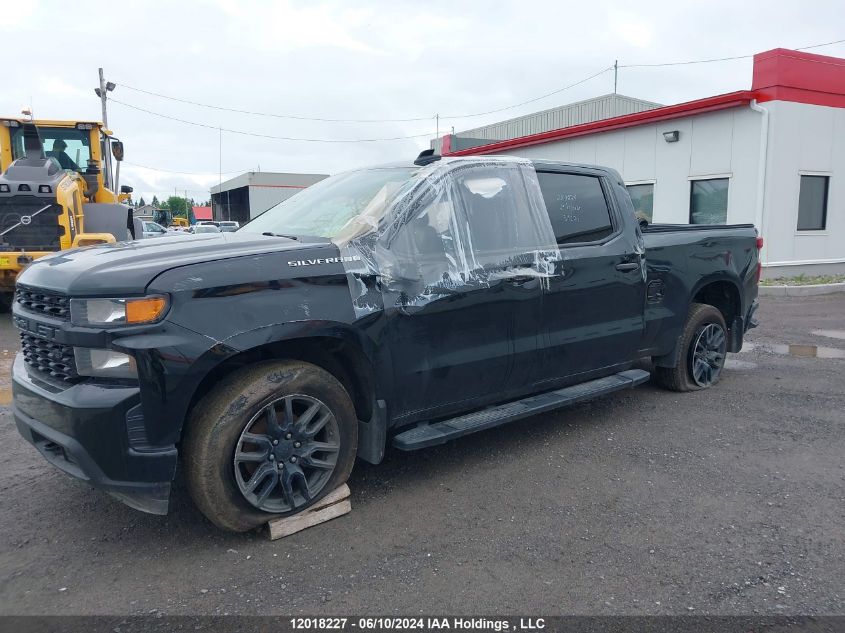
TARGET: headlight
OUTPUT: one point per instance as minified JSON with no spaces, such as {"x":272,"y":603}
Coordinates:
{"x":117,"y":311}
{"x":104,"y":363}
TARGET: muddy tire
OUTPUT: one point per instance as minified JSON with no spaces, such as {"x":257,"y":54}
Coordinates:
{"x":267,"y":441}
{"x":701,"y":352}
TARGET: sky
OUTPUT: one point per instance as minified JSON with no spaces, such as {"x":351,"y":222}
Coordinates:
{"x":371,"y":61}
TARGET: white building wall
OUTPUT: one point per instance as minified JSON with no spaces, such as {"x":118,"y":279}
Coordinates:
{"x":804,"y":139}
{"x":262,"y":198}
{"x":716,"y":144}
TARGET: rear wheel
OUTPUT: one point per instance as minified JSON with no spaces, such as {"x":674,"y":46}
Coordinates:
{"x":702,"y":349}
{"x":270,"y":440}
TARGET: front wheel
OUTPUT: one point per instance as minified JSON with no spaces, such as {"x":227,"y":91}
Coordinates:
{"x":702,"y":349}
{"x":268,"y":441}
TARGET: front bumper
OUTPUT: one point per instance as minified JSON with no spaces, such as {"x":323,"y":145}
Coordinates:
{"x":84,"y":430}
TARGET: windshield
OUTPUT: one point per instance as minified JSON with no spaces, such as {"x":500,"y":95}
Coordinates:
{"x":340,"y":205}
{"x":70,"y":147}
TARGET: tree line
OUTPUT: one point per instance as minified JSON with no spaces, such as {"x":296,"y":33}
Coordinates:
{"x":177,"y":205}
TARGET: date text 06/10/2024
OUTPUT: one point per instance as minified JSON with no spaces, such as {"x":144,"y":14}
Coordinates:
{"x":418,"y":624}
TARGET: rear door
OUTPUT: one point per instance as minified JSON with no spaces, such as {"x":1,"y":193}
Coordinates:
{"x":593,"y":304}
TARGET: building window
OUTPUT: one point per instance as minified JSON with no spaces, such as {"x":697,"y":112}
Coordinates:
{"x":812,"y":203}
{"x":709,"y":201}
{"x":577,"y":207}
{"x":643,"y":198}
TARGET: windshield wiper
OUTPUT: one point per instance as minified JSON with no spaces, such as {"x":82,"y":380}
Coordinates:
{"x":290,"y":237}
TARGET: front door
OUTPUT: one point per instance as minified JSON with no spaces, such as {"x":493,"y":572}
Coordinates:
{"x":593,"y":305}
{"x":461,"y":294}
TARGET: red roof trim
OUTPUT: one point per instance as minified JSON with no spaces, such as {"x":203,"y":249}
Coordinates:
{"x":785,"y":75}
{"x":666,"y":113}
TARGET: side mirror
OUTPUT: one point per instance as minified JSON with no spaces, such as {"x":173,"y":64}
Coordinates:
{"x":117,"y":150}
{"x":126,"y":189}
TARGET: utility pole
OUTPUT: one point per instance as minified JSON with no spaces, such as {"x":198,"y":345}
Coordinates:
{"x":104,"y":88}
{"x":101,"y":92}
{"x":437,"y":117}
{"x":615,"y":73}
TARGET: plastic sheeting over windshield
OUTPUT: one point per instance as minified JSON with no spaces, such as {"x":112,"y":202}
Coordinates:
{"x":458,"y":225}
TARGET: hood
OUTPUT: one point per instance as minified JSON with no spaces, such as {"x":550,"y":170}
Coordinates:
{"x":127,"y":267}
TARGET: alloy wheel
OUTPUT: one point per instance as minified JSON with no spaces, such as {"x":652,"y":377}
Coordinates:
{"x":287,"y":453}
{"x":708,"y":355}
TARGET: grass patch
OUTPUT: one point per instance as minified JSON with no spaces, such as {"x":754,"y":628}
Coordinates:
{"x":803,"y":280}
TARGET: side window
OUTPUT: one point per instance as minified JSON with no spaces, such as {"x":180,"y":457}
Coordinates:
{"x":642,"y":197}
{"x":425,"y":248}
{"x":709,"y":201}
{"x":812,"y":203}
{"x":577,"y":207}
{"x":496,"y":211}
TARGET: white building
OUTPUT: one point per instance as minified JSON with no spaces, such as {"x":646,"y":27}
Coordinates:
{"x":773,"y":156}
{"x":250,"y":194}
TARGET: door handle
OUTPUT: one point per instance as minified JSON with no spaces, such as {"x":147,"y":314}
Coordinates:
{"x":627,"y":267}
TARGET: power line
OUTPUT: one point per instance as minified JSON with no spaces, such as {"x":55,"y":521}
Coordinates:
{"x":806,"y":48}
{"x":548,"y":94}
{"x":720,"y":59}
{"x":187,"y":173}
{"x":270,"y":114}
{"x":270,"y":136}
{"x":406,"y":120}
{"x":431,"y":117}
{"x":695,"y":61}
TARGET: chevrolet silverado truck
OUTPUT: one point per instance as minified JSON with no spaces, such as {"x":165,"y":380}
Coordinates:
{"x":402,"y":305}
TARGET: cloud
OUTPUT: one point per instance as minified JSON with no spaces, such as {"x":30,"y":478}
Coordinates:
{"x":59,"y":88}
{"x":634,"y":30}
{"x":18,"y":13}
{"x":286,"y":26}
{"x":368,"y":60}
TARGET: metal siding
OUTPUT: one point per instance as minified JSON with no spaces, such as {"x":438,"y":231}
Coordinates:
{"x":604,"y":107}
{"x":268,"y":178}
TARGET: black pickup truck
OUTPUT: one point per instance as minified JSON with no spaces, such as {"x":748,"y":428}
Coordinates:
{"x":406,"y":304}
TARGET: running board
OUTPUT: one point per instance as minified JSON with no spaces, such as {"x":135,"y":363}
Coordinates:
{"x":426,"y":435}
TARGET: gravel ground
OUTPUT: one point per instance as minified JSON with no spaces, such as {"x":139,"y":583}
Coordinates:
{"x":727,"y":501}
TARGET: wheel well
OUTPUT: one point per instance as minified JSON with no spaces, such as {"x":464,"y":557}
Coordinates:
{"x":341,"y":359}
{"x":722,"y":295}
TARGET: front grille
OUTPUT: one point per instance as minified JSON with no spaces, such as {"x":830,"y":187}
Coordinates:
{"x":34,"y":229}
{"x":35,"y":300}
{"x":48,"y":357}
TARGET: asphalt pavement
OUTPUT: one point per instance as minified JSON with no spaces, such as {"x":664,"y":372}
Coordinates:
{"x":725,"y":501}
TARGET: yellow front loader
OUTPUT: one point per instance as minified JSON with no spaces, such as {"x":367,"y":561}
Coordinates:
{"x":57,"y":191}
